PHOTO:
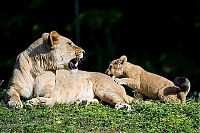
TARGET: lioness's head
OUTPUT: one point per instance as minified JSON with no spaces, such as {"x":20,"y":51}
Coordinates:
{"x":53,"y":52}
{"x":115,"y":68}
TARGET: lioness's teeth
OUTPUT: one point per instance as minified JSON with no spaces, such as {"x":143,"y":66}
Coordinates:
{"x":76,"y":64}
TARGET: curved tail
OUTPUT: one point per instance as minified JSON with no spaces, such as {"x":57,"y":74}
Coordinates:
{"x":183,"y":83}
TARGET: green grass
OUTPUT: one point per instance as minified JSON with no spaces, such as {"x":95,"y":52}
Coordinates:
{"x":144,"y":118}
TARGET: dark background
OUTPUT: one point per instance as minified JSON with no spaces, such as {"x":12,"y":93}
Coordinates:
{"x":160,"y":36}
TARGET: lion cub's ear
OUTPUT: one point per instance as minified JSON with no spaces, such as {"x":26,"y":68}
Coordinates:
{"x":54,"y":40}
{"x":123,"y":59}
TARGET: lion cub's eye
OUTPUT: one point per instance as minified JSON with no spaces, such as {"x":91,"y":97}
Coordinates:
{"x":117,"y":62}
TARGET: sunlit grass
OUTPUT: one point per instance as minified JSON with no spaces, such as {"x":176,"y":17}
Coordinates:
{"x":145,"y":117}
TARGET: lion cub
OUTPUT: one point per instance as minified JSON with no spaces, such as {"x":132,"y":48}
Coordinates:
{"x":147,"y":83}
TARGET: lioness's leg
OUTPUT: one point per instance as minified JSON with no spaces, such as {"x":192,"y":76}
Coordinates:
{"x":41,"y":100}
{"x":48,"y":89}
{"x":44,"y":84}
{"x":129,"y":99}
{"x":21,"y":82}
{"x":169,"y":95}
{"x":14,"y":97}
{"x":113,"y":98}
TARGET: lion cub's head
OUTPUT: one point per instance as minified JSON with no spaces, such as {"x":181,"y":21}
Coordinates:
{"x":115,"y":68}
{"x":53,"y":52}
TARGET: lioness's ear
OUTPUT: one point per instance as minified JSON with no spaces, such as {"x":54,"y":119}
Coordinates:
{"x":54,"y":39}
{"x":45,"y":37}
{"x":123,"y":59}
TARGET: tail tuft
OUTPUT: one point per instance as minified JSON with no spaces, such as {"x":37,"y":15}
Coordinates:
{"x":183,"y":83}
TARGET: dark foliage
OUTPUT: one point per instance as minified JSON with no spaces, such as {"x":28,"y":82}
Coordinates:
{"x":161,"y":36}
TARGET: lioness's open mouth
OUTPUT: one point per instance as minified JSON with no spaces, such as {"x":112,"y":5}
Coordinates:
{"x":73,"y":63}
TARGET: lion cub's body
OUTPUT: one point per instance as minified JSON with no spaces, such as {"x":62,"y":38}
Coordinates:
{"x":147,"y":83}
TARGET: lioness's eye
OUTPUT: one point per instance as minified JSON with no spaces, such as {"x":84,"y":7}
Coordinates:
{"x":70,"y":43}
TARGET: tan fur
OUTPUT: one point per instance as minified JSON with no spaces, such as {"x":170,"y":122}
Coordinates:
{"x":41,"y":59}
{"x":87,"y":86}
{"x":44,"y":71}
{"x":146,"y":83}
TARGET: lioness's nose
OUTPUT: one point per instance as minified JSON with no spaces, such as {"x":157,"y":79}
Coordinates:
{"x":83,"y":51}
{"x":79,"y":51}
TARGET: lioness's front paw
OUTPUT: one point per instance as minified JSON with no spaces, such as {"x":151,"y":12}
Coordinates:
{"x":15,"y":104}
{"x":123,"y":106}
{"x":94,"y":101}
{"x":81,"y":102}
{"x":33,"y":101}
{"x":118,"y":81}
{"x":29,"y":102}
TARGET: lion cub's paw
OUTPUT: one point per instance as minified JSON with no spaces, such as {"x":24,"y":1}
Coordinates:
{"x":15,"y":104}
{"x":118,"y":81}
{"x":123,"y":106}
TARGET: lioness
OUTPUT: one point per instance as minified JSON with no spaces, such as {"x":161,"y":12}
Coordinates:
{"x":85,"y":86}
{"x":47,"y":54}
{"x":147,"y":83}
{"x":48,"y":70}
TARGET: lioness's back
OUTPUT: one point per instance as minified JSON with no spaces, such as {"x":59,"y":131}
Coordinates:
{"x":97,"y":76}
